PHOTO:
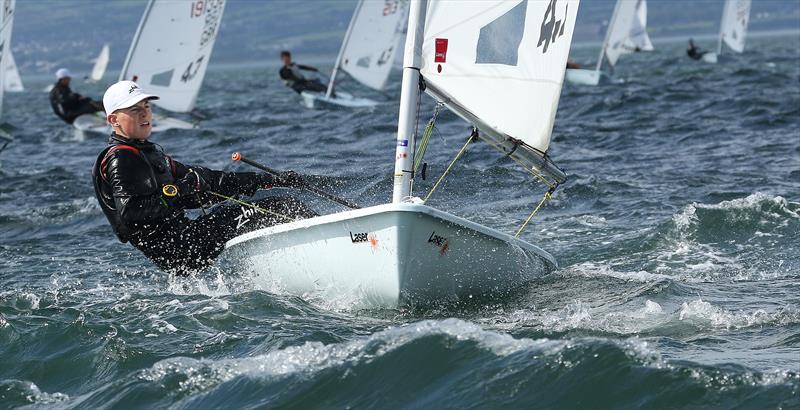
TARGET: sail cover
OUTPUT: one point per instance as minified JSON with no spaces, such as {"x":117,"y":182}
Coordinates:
{"x":13,"y":82}
{"x":374,"y":38}
{"x":500,"y":65}
{"x":624,"y":31}
{"x":100,"y":64}
{"x":171,"y":49}
{"x":6,"y":24}
{"x":733,"y":30}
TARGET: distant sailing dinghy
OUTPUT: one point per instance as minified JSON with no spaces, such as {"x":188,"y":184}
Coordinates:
{"x":367,"y":53}
{"x":169,"y":55}
{"x":6,"y":25}
{"x":100,"y":64}
{"x":732,"y":28}
{"x":13,"y":80}
{"x":627,"y":33}
{"x":499,"y":65}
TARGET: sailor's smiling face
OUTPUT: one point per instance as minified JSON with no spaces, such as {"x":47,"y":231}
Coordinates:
{"x":133,"y":122}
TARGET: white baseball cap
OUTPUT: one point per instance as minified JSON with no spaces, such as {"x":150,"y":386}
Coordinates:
{"x":63,"y":73}
{"x":124,"y":94}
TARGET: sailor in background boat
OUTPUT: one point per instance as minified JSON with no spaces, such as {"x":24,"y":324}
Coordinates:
{"x":68,"y":105}
{"x":294,"y":78}
{"x":693,"y":51}
{"x":143,"y":192}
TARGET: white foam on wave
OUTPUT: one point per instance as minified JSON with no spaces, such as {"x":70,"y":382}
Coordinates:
{"x":31,"y":392}
{"x":681,"y":252}
{"x":592,"y":269}
{"x":704,"y":313}
{"x":578,"y":315}
{"x":313,"y":357}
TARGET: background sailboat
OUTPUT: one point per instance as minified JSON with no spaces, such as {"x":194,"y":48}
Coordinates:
{"x":498,"y":64}
{"x":13,"y":81}
{"x":169,"y":56}
{"x":732,"y":28}
{"x":6,"y":27}
{"x":100,"y":64}
{"x":367,"y":53}
{"x":627,"y":33}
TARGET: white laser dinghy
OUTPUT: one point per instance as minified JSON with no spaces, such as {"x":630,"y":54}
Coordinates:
{"x":499,"y":65}
{"x":626,"y":33}
{"x":732,"y":28}
{"x":6,"y":26}
{"x":367,"y":53}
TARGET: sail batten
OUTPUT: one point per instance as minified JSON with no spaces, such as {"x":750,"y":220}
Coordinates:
{"x":500,"y":66}
{"x":170,"y":52}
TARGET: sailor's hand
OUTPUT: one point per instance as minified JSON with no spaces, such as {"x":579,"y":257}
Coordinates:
{"x":291,"y":179}
{"x":192,"y":184}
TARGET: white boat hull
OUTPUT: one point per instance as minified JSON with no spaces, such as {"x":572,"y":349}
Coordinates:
{"x":387,"y":256}
{"x":313,"y":100}
{"x":583,"y":77}
{"x":96,"y":123}
{"x":710,"y":58}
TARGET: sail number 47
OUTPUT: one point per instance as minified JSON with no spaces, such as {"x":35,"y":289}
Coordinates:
{"x":192,"y":69}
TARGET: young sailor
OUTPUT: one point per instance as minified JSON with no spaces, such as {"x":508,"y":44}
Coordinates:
{"x":143,"y":192}
{"x":291,"y":75}
{"x":693,"y":51}
{"x":68,"y":105}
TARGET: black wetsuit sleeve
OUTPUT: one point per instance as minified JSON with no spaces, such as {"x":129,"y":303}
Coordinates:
{"x":307,"y":67}
{"x":225,"y":183}
{"x":137,"y":199}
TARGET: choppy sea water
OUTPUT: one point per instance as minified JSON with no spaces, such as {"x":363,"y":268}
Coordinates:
{"x":677,"y":235}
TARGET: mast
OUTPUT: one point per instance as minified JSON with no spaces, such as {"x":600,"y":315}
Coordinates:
{"x":722,"y":26}
{"x":409,"y":97}
{"x":341,"y":50}
{"x":608,"y":33}
{"x":124,"y":72}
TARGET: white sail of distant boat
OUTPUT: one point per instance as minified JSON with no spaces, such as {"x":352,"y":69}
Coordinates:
{"x":499,"y":65}
{"x":6,"y":26}
{"x":13,"y":80}
{"x":733,"y":28}
{"x":100,"y":64}
{"x":368,"y":51}
{"x":169,"y":55}
{"x":626,"y":33}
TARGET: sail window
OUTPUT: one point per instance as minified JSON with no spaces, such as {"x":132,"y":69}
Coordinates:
{"x":499,"y":40}
{"x":162,"y":79}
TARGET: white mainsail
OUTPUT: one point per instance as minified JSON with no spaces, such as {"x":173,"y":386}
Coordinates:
{"x":500,"y":65}
{"x":627,"y":31}
{"x":13,"y":82}
{"x":100,"y":64}
{"x":171,"y":49}
{"x":371,"y":42}
{"x":6,"y":25}
{"x":733,"y":28}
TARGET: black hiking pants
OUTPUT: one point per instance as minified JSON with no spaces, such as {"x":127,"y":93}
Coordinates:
{"x":194,"y":245}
